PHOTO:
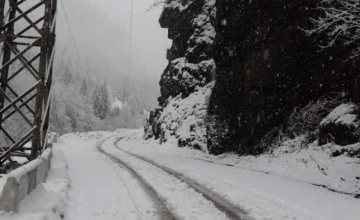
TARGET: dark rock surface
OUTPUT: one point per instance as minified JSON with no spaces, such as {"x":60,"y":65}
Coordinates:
{"x":266,"y":67}
{"x":190,"y":63}
{"x":152,"y":127}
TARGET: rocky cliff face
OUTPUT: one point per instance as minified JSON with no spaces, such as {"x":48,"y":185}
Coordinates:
{"x":190,"y":68}
{"x":265,"y":66}
{"x":190,"y":63}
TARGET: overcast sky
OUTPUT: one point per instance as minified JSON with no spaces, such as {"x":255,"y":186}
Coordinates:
{"x":101,"y":31}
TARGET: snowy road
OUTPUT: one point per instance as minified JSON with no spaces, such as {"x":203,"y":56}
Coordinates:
{"x":103,"y":189}
{"x":230,"y":210}
{"x":137,"y":186}
{"x":119,"y":176}
{"x":108,"y":183}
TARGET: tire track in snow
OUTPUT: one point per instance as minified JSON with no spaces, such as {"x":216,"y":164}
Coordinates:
{"x":222,"y":204}
{"x":162,"y":210}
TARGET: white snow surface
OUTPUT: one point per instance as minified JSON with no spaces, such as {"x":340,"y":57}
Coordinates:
{"x":178,"y":4}
{"x":267,"y":188}
{"x":343,"y":114}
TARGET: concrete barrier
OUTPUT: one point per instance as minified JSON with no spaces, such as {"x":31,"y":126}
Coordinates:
{"x":22,"y":181}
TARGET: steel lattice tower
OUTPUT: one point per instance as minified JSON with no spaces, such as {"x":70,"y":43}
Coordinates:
{"x":27,"y":39}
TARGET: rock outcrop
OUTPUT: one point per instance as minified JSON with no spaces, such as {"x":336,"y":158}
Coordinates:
{"x":190,"y":67}
{"x":262,"y":62}
{"x":267,"y":66}
{"x":190,"y":62}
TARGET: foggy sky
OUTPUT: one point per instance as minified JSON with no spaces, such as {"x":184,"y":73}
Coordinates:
{"x":101,"y":31}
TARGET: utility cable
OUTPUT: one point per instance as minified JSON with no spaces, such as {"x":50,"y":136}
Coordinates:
{"x":72,"y":35}
{"x":130,"y":46}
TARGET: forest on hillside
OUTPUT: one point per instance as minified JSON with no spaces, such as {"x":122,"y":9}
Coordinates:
{"x":95,"y":86}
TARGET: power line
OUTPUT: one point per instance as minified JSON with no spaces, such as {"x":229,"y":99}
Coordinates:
{"x":72,"y":35}
{"x":130,"y":46}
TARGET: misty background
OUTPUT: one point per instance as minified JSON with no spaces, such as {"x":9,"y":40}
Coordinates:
{"x":93,"y":86}
{"x":102,"y":30}
{"x":93,"y":48}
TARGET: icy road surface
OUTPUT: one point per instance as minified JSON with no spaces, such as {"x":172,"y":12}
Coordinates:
{"x":120,"y":176}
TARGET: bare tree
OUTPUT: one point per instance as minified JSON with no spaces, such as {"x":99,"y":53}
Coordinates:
{"x":341,"y":19}
{"x":155,"y":4}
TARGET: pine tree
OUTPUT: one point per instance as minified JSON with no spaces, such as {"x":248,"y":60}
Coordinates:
{"x":105,"y":100}
{"x":70,"y":113}
{"x":100,"y":101}
{"x":67,"y":77}
{"x":96,"y":101}
{"x":84,"y":90}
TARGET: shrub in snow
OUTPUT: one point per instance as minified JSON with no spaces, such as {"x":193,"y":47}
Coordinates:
{"x":217,"y":130}
{"x":302,"y":122}
{"x":341,"y":126}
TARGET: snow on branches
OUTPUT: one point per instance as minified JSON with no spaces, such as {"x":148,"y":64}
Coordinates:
{"x":155,"y":4}
{"x":341,"y":19}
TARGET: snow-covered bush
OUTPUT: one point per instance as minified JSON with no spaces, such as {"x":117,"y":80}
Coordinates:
{"x":302,"y":122}
{"x":341,"y":126}
{"x":306,"y":120}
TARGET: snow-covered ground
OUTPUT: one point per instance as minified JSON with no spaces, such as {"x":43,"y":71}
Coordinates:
{"x":120,"y":176}
{"x":254,"y":183}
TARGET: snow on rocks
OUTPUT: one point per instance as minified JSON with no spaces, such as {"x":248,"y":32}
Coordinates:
{"x":343,"y":114}
{"x":185,"y":118}
{"x":341,"y":126}
{"x":178,"y":4}
{"x":204,"y":34}
{"x":191,"y":66}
